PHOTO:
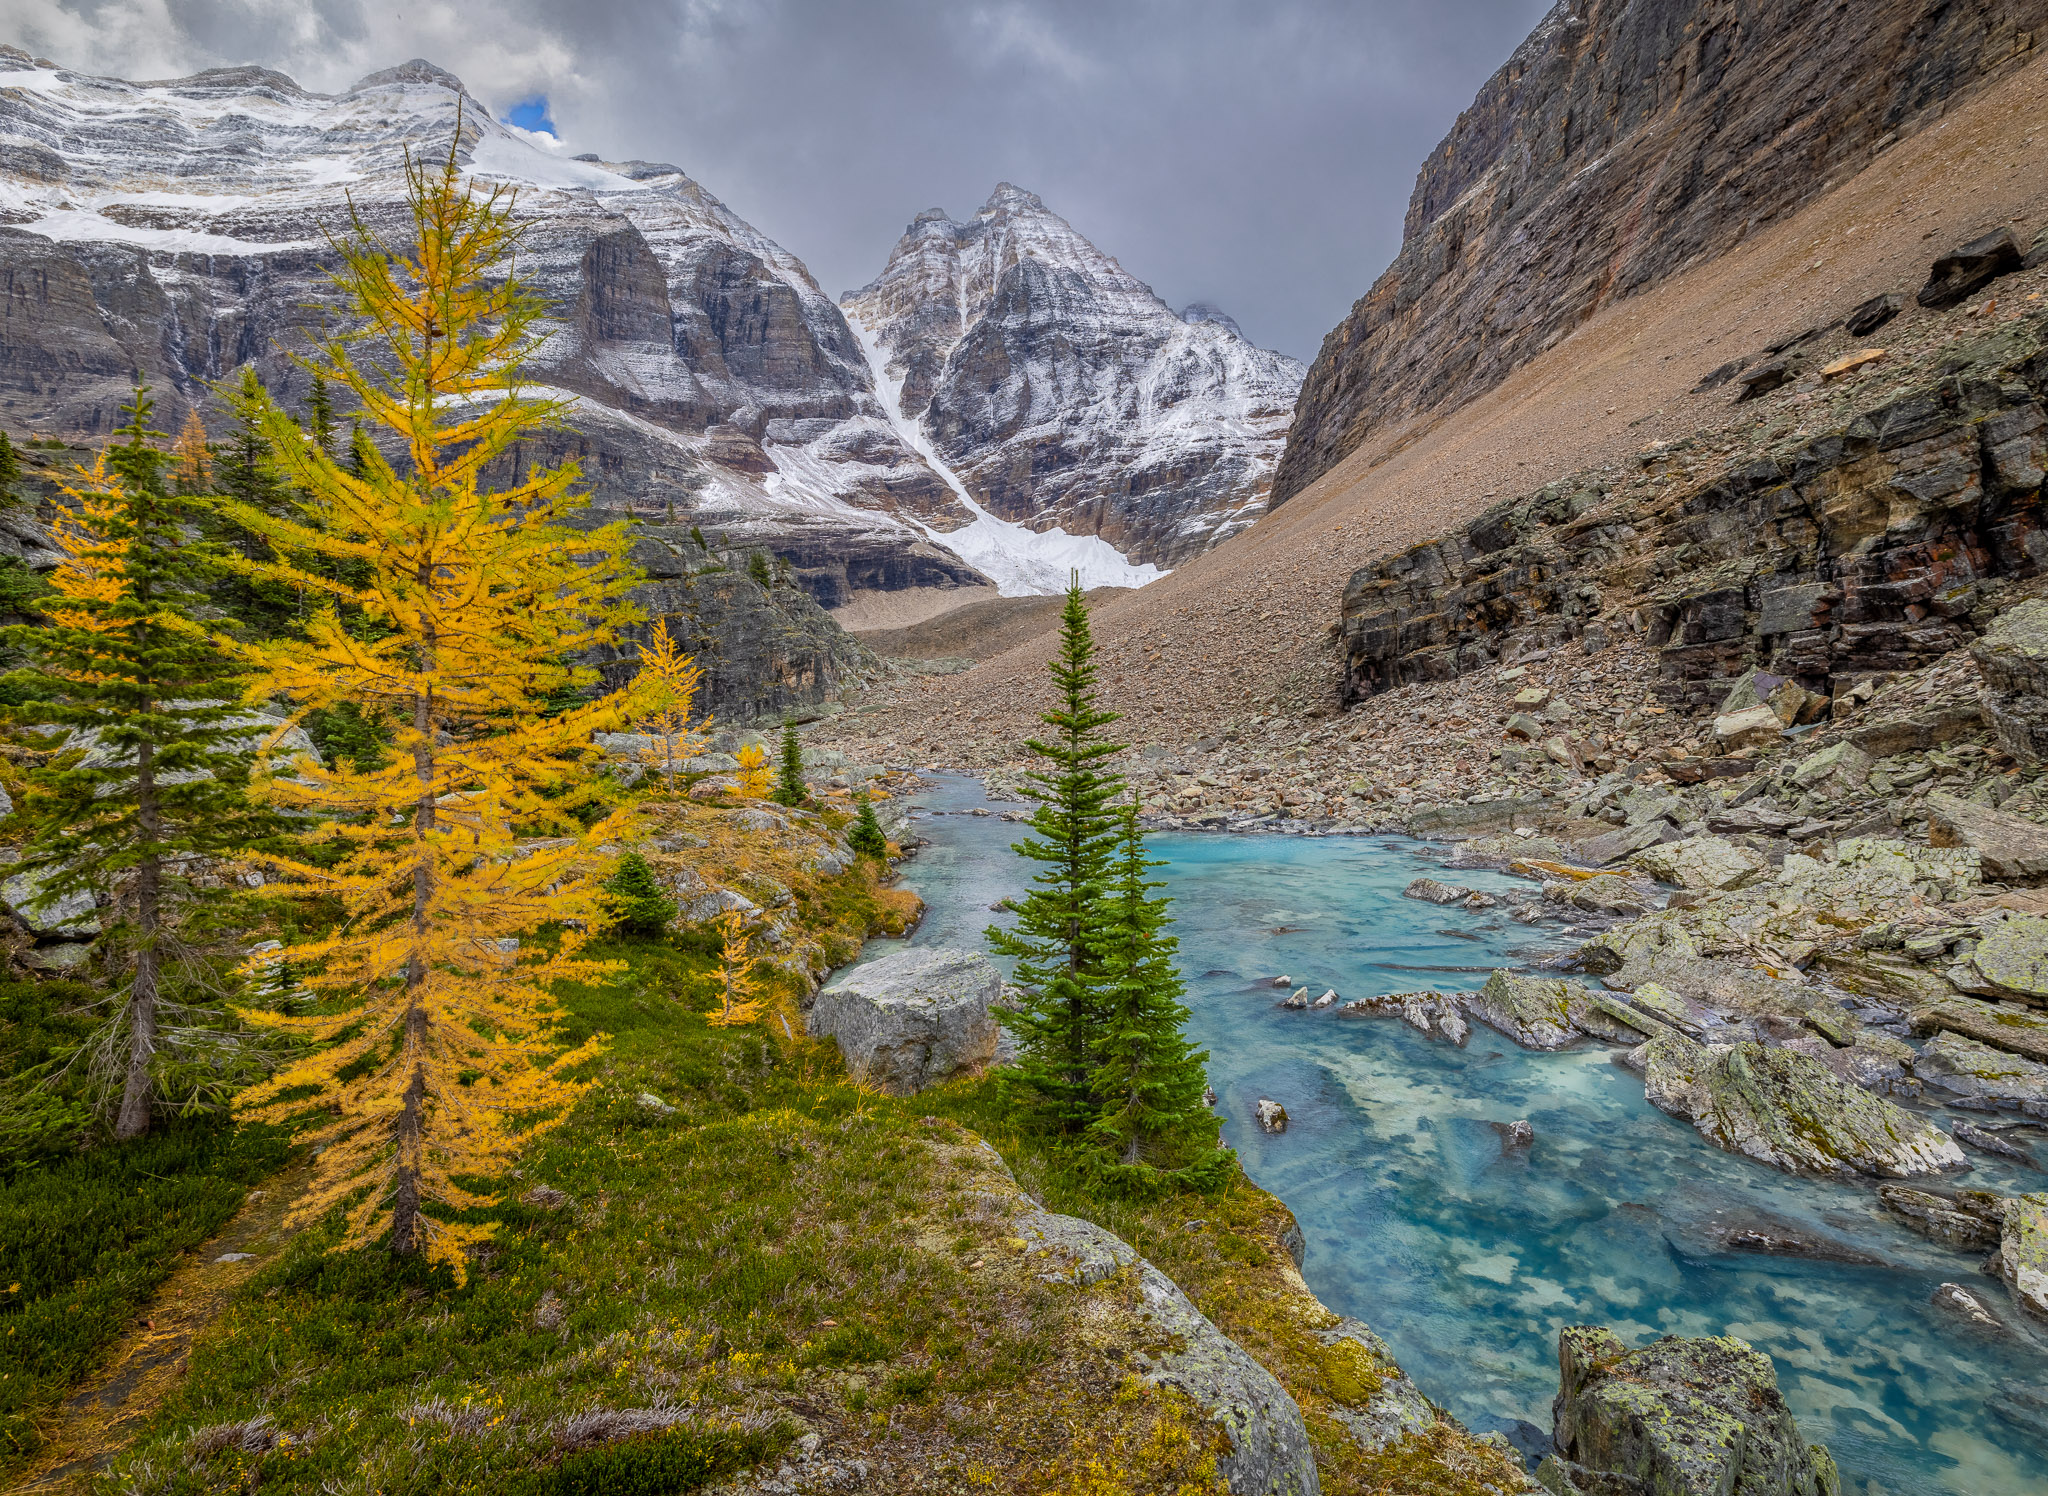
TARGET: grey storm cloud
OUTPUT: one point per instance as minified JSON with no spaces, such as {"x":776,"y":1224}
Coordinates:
{"x":1257,"y":154}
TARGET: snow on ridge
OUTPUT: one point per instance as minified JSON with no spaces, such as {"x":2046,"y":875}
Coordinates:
{"x":1022,"y":562}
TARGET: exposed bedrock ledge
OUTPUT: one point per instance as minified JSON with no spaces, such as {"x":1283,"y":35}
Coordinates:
{"x":1867,"y":549}
{"x":1622,"y":142}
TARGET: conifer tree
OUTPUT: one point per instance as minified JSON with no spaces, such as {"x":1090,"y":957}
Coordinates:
{"x":10,"y":471}
{"x":642,"y":907}
{"x":247,"y":468}
{"x":320,"y":414}
{"x":669,"y":680}
{"x":1062,"y":922}
{"x":757,"y":568}
{"x":1153,"y":1124}
{"x":439,"y":1058}
{"x":789,"y":778}
{"x":357,"y":463}
{"x":867,"y":838}
{"x":158,"y":753}
{"x":192,"y":457}
{"x":734,"y":983}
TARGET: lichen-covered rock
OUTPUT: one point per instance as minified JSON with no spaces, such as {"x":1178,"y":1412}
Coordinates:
{"x":1703,"y":862}
{"x":71,"y":914}
{"x":914,"y":1017}
{"x":1969,"y":1221}
{"x":1962,"y":1069}
{"x":1380,"y":1404}
{"x":1434,"y":892}
{"x":1271,"y":1115}
{"x":1268,"y":1451}
{"x":1535,"y":1012}
{"x":1838,"y":763}
{"x":1791,"y":1111}
{"x":2008,"y":847}
{"x":2013,"y":956}
{"x":2007,"y":1026}
{"x":1682,"y":1417}
{"x":2023,"y":1252}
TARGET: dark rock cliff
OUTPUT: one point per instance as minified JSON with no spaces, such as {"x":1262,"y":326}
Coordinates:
{"x":1624,"y":141}
{"x":1874,"y":547}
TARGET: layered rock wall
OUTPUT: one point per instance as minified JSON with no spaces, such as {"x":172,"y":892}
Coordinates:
{"x":1623,"y":142}
{"x":1876,"y":547}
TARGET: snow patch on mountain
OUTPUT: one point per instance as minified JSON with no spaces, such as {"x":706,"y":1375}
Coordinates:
{"x":1022,"y":562}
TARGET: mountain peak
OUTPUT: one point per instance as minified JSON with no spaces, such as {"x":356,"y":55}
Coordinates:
{"x":419,"y":70}
{"x":1208,"y":311}
{"x":1012,"y":197}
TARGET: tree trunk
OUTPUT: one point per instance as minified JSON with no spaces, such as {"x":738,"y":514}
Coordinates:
{"x":133,"y":1119}
{"x":408,"y":1231}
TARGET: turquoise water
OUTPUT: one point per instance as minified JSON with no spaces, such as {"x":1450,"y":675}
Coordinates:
{"x":1469,"y":1259}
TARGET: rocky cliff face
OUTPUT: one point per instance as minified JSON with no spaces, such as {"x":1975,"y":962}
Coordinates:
{"x":178,"y":230}
{"x":1621,"y":143}
{"x":1064,"y":393}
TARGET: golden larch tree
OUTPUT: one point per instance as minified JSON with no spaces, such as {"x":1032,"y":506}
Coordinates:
{"x":454,"y":612}
{"x":733,"y":981}
{"x":668,"y":680}
{"x":756,"y":776}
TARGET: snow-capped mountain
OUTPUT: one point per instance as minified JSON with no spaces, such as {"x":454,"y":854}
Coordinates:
{"x":179,"y":229}
{"x":1060,"y":391}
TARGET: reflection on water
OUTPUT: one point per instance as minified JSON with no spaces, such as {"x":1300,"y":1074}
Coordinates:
{"x":1468,"y":1256}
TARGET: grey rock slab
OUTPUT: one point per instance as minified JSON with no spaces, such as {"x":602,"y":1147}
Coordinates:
{"x":1623,"y":841}
{"x":2012,"y":1027}
{"x":913,"y":1018}
{"x":2023,"y":1252}
{"x":1963,"y":1070}
{"x":1535,"y":1012}
{"x":2008,"y":847}
{"x":72,"y":914}
{"x":1436,"y":893}
{"x":1703,"y":862}
{"x":1791,"y":1111}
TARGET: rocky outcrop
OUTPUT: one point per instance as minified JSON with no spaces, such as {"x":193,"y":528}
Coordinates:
{"x":1064,"y":393}
{"x":1879,"y":546}
{"x":1621,"y":143}
{"x":710,"y":382}
{"x":912,"y":1018}
{"x":1264,"y":1447}
{"x":1533,"y":1011}
{"x":1789,"y":1110}
{"x":1678,"y":1418}
{"x":2023,"y":1252}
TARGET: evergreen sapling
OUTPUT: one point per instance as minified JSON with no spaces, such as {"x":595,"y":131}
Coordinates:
{"x":1063,"y":922}
{"x":789,"y":776}
{"x":867,"y":838}
{"x":640,"y":904}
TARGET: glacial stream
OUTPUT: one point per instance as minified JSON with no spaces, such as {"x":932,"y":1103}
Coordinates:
{"x":1469,"y":1258}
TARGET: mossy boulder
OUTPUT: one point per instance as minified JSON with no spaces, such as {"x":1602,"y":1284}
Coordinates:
{"x":1535,"y":1012}
{"x":2014,"y":955}
{"x":2023,"y":1252}
{"x":1964,"y":1070}
{"x":1680,"y":1418}
{"x":1791,"y":1111}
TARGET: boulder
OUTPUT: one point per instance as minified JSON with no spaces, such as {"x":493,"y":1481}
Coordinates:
{"x":1271,"y":1114}
{"x":2008,"y":847}
{"x":1873,"y":314}
{"x":913,"y":1018}
{"x":1703,"y":862}
{"x":2012,"y":656}
{"x":1969,"y":1222}
{"x":1960,"y":1069}
{"x":1435,"y":892}
{"x":1838,"y":763}
{"x":1791,"y":1111}
{"x":1960,"y":1301}
{"x":72,"y":915}
{"x":1770,"y":375}
{"x":1752,"y":727}
{"x":1623,"y":841}
{"x":1394,"y":1408}
{"x":1535,"y":1012}
{"x":1961,"y":272}
{"x":1522,"y":725}
{"x":1988,"y":1142}
{"x":1679,"y":1417}
{"x":2013,"y":956}
{"x":2003,"y":1026}
{"x":2023,"y":1252}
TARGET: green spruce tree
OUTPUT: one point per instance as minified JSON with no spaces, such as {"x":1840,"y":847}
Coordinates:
{"x":1154,"y":1128}
{"x":10,"y":472}
{"x":641,"y":905}
{"x":867,"y":838}
{"x":1063,"y":922}
{"x":790,"y":788}
{"x":320,"y":415}
{"x":757,"y":568}
{"x":154,"y":752}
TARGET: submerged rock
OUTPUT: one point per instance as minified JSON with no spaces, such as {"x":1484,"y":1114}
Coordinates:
{"x":913,"y":1018}
{"x":1681,"y":1418}
{"x":1791,"y":1111}
{"x":1960,"y":1301}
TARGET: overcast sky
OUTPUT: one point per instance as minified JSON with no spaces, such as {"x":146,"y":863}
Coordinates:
{"x":1253,"y":153}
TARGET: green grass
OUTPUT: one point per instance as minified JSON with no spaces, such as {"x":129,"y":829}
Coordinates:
{"x":84,"y":1241}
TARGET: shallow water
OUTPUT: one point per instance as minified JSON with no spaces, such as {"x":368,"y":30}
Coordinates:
{"x":1469,"y":1259}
